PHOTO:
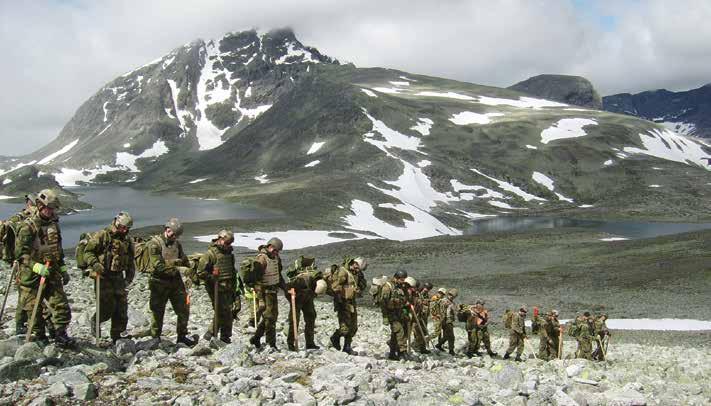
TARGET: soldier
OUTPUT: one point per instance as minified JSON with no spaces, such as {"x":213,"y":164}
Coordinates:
{"x":109,"y":254}
{"x":217,"y":265}
{"x":435,"y":301}
{"x":265,"y":289}
{"x":348,"y":284}
{"x":38,"y":247}
{"x":518,"y":334}
{"x":14,"y":222}
{"x":307,"y":282}
{"x":447,"y":316}
{"x":601,"y":332}
{"x":393,"y":301}
{"x":585,"y":333}
{"x":167,"y":261}
{"x":420,"y":299}
{"x":480,"y":329}
{"x":549,"y":337}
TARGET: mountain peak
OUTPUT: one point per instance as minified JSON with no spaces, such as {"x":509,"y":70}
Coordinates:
{"x":574,"y":90}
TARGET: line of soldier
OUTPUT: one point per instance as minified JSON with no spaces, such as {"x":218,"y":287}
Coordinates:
{"x":110,"y":257}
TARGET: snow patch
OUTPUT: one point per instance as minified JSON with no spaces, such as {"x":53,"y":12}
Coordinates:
{"x":7,"y":181}
{"x":424,"y":163}
{"x":522,"y":102}
{"x":292,"y":239}
{"x":680,"y":127}
{"x":423,"y":126}
{"x":531,"y":147}
{"x":387,"y":90}
{"x":62,"y":151}
{"x":312,"y":164}
{"x":106,"y":112}
{"x":262,"y":179}
{"x":614,"y":239}
{"x":5,"y":197}
{"x":510,"y":188}
{"x":192,"y":182}
{"x":128,"y":160}
{"x":104,"y":130}
{"x":255,"y":112}
{"x":503,"y":205}
{"x":292,"y":52}
{"x":408,"y":79}
{"x":248,"y":92}
{"x":586,"y":206}
{"x":566,"y":128}
{"x":315,"y":147}
{"x":179,"y":114}
{"x":655,"y":186}
{"x":468,"y":117}
{"x":400,"y":83}
{"x":659,"y":324}
{"x":392,"y":137}
{"x":608,"y":162}
{"x":71,"y":177}
{"x":16,"y":167}
{"x":543,"y":180}
{"x":168,"y":61}
{"x":211,"y":90}
{"x":369,"y":92}
{"x":448,"y":95}
{"x":671,"y":147}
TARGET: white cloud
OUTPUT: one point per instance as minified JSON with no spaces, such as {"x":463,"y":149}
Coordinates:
{"x":57,"y":54}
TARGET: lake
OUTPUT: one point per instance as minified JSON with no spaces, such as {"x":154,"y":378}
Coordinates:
{"x":627,"y":229}
{"x":145,"y":207}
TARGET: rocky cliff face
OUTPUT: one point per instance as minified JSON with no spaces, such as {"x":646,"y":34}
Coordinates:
{"x":687,"y":113}
{"x":575,"y":90}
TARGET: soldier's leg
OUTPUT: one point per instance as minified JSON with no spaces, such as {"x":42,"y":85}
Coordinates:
{"x":519,"y":347}
{"x":271,"y":314}
{"x":261,"y":308}
{"x":448,"y":332}
{"x":178,"y":301}
{"x":107,"y":305}
{"x":290,"y":317}
{"x":209,"y":331}
{"x":513,"y":343}
{"x":486,"y":339}
{"x":27,"y":300}
{"x":157,"y":303}
{"x":21,"y":315}
{"x":586,"y":349}
{"x":472,"y":342}
{"x":543,"y":348}
{"x":419,"y":338}
{"x":399,"y":335}
{"x":352,"y":328}
{"x":61,"y":312}
{"x":553,"y":349}
{"x":226,"y":303}
{"x":309,"y":311}
{"x":119,"y":320}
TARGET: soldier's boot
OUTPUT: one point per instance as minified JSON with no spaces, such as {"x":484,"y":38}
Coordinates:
{"x":257,"y":337}
{"x":393,"y":355}
{"x":451,"y":352}
{"x":507,"y":355}
{"x":347,"y":345}
{"x":336,"y":340}
{"x":20,"y":327}
{"x":518,"y":358}
{"x":424,"y":351}
{"x":208,"y":335}
{"x":451,"y":348}
{"x":186,"y":340}
{"x":439,"y":346}
{"x":226,"y":340}
{"x":469,"y":354}
{"x":51,"y":331}
{"x":310,"y":345}
{"x":492,"y":354}
{"x":62,"y":339}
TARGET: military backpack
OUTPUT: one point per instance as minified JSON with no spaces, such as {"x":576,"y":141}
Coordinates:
{"x":328,"y":278}
{"x":250,"y":271}
{"x":508,"y":319}
{"x":141,"y":253}
{"x":8,"y":230}
{"x":79,"y":252}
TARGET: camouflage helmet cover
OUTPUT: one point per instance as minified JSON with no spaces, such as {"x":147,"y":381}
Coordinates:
{"x":175,"y":225}
{"x":442,"y":291}
{"x":276,"y":243}
{"x":454,"y":292}
{"x":362,"y":263}
{"x":226,"y":235}
{"x":124,"y":219}
{"x":48,"y":198}
{"x":411,"y":281}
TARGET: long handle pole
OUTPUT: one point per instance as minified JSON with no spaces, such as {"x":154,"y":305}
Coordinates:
{"x":216,"y":295}
{"x":15,"y":265}
{"x":419,"y":326}
{"x":294,"y":322}
{"x":560,"y":342}
{"x":525,"y":341}
{"x":37,"y":303}
{"x":98,"y":308}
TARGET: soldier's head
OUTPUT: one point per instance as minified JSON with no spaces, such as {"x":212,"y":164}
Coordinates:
{"x":522,"y":310}
{"x":442,"y":291}
{"x":360,"y":264}
{"x":554,"y":314}
{"x":603,"y":316}
{"x":173,"y":229}
{"x":410,"y":282}
{"x":30,"y":200}
{"x":47,"y":202}
{"x":224,"y":239}
{"x":427,"y":287}
{"x":274,"y":246}
{"x":122,"y":223}
{"x":400,"y":275}
{"x":453,"y":293}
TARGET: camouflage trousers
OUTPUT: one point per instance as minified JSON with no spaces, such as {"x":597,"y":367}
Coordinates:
{"x":164,"y":290}
{"x":436,"y":329}
{"x":21,"y":315}
{"x":58,"y":305}
{"x":447,"y":336}
{"x":477,"y":337}
{"x":225,"y":302}
{"x":398,"y":333}
{"x":420,"y":334}
{"x":113,"y":303}
{"x":347,"y":320}
{"x":584,"y":347}
{"x":305,"y":306}
{"x":267,"y":313}
{"x":548,"y":350}
{"x":516,"y":343}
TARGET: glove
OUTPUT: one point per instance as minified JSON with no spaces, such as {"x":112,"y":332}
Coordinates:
{"x":65,"y":274}
{"x":550,"y":342}
{"x":40,"y":269}
{"x":96,"y":271}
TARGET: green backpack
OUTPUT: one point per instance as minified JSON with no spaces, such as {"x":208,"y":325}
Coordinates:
{"x":141,"y":253}
{"x":81,"y":247}
{"x":508,"y":319}
{"x":250,"y":271}
{"x":328,"y":278}
{"x":8,"y":230}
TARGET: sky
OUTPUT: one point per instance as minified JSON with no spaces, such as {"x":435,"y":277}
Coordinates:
{"x":58,"y":53}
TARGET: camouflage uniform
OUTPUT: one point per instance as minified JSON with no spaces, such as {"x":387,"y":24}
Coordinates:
{"x":447,"y":316}
{"x":39,"y":241}
{"x":112,"y":253}
{"x":435,"y":301}
{"x":304,"y":285}
{"x":347,"y":286}
{"x":21,"y":315}
{"x":421,"y":301}
{"x":584,"y":334}
{"x":220,"y":259}
{"x":600,"y":332}
{"x":266,"y":293}
{"x":166,"y":284}
{"x":478,"y":331}
{"x":394,"y":300}
{"x":517,"y":335}
{"x":549,"y":338}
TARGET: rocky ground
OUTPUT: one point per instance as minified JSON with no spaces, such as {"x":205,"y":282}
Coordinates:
{"x":145,"y":371}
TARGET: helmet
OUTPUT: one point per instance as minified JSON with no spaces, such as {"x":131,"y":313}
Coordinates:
{"x":523,"y":309}
{"x":124,"y":219}
{"x":411,"y":281}
{"x":320,"y":286}
{"x":30,"y":198}
{"x":427,"y":286}
{"x":362,"y":263}
{"x":442,"y":291}
{"x":400,"y":274}
{"x":479,"y":302}
{"x":175,"y":225}
{"x":304,"y":262}
{"x":226,"y":235}
{"x":276,"y":243}
{"x":586,"y":314}
{"x":554,"y":312}
{"x":454,"y":292}
{"x":48,"y":198}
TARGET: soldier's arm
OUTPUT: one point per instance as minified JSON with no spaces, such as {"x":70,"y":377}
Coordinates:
{"x":340,"y":279}
{"x":205,"y":265}
{"x":184,"y":261}
{"x":93,"y":249}
{"x":156,"y":263}
{"x":131,"y":269}
{"x":361,"y":282}
{"x":518,"y":325}
{"x":61,"y":250}
{"x":23,"y":244}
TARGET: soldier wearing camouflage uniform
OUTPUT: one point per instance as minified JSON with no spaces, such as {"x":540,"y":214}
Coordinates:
{"x":435,"y":302}
{"x":218,"y":265}
{"x":38,"y":247}
{"x":549,"y":337}
{"x":420,"y":299}
{"x":348,"y":283}
{"x":447,"y":314}
{"x":265,"y":289}
{"x":14,"y":221}
{"x":601,"y":332}
{"x":167,"y":261}
{"x":517,"y":335}
{"x":307,"y":282}
{"x":109,"y":254}
{"x":393,"y":302}
{"x":584,"y":333}
{"x":478,"y":329}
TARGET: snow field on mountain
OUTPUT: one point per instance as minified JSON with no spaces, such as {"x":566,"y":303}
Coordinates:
{"x":424,"y":125}
{"x":315,"y":147}
{"x":262,"y":179}
{"x":312,"y":164}
{"x":128,"y":160}
{"x":208,"y":135}
{"x":548,"y":184}
{"x":510,"y":188}
{"x":671,"y":147}
{"x":292,"y":239}
{"x":566,"y":128}
{"x":49,"y":158}
{"x":468,"y":117}
{"x":369,"y":92}
{"x":72,"y":177}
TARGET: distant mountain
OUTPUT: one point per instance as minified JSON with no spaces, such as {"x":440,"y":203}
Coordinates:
{"x":575,"y":90}
{"x":264,"y":120}
{"x":687,"y":113}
